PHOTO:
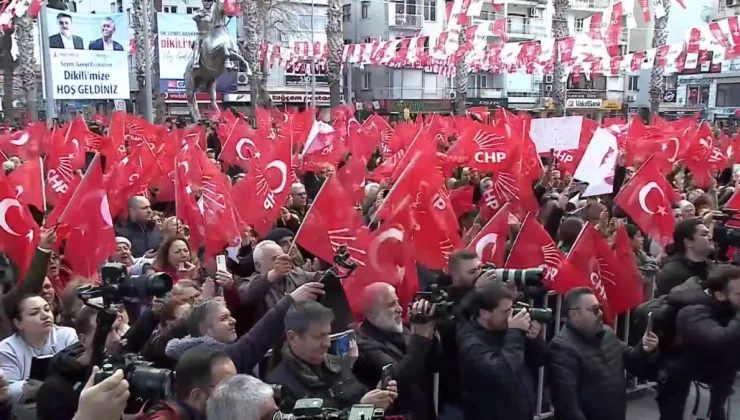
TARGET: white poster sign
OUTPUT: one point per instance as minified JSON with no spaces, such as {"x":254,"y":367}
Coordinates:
{"x":89,"y":55}
{"x":561,"y":133}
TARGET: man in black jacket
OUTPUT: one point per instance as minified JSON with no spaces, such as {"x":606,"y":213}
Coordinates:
{"x":706,"y":344}
{"x":382,"y":340}
{"x":140,"y":228}
{"x":691,"y":248}
{"x":70,"y":368}
{"x":588,"y":362}
{"x":308,"y":371}
{"x":499,"y":354}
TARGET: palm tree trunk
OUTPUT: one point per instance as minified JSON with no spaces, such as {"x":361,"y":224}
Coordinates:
{"x":656,"y":73}
{"x":137,"y":24}
{"x":27,"y":63}
{"x":254,"y":36}
{"x":559,"y":30}
{"x":335,"y":39}
{"x":8,"y":75}
{"x":461,"y":74}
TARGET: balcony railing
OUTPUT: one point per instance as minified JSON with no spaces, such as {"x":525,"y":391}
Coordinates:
{"x":408,"y":21}
{"x":589,"y":4}
{"x":525,"y":26}
{"x":411,"y":93}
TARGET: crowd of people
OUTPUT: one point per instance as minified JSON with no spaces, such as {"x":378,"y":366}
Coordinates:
{"x":441,"y":337}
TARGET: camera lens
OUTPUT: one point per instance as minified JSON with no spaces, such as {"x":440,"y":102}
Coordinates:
{"x":144,"y":285}
{"x":147,"y":382}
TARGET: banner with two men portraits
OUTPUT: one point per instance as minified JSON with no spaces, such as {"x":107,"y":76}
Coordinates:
{"x":89,"y":53}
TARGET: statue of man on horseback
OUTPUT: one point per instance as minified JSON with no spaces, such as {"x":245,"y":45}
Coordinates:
{"x":213,"y":53}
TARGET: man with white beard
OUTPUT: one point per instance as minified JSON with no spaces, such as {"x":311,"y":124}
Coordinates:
{"x":383,"y":341}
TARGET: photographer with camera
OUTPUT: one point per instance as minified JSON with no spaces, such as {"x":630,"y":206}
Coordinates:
{"x":197,"y":374}
{"x":308,"y":371}
{"x":499,"y":352}
{"x":388,"y":350}
{"x":59,"y":394}
{"x":105,"y":400}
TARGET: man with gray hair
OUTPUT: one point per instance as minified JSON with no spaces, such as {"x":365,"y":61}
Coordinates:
{"x":210,"y":325}
{"x":275,"y":277}
{"x":308,"y":371}
{"x":299,"y":198}
{"x":241,"y":397}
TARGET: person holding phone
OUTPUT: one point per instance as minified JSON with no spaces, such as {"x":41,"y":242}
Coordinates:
{"x":387,"y":346}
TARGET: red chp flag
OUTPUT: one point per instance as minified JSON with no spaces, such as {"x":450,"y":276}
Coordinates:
{"x":647,"y":199}
{"x":533,"y":247}
{"x":490,"y":243}
{"x":629,"y":292}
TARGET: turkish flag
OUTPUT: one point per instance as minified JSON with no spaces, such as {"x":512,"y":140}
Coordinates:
{"x":26,"y":143}
{"x":91,"y":239}
{"x":28,"y":183}
{"x":186,"y":208}
{"x":647,"y":198}
{"x":18,"y":231}
{"x":219,"y":217}
{"x":490,"y":242}
{"x":533,"y":247}
{"x":242,"y":143}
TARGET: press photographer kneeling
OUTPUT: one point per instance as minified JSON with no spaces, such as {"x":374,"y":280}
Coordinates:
{"x":308,"y":371}
{"x":499,"y":352}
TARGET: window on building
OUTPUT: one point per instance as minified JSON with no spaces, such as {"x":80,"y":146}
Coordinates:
{"x":169,"y":9}
{"x":405,"y":7}
{"x":191,"y":10}
{"x":430,"y":10}
{"x":596,"y":82}
{"x":365,"y":9}
{"x":128,"y":16}
{"x":728,"y":94}
{"x":670,"y":82}
{"x":319,"y":22}
{"x":365,"y":81}
{"x":113,"y":7}
{"x":632,"y":83}
{"x":578,"y":25}
{"x":346,"y":12}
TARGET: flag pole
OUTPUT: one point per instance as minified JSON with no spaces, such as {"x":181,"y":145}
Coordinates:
{"x":43,"y":185}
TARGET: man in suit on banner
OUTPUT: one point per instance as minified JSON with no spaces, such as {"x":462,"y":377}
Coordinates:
{"x":106,"y":43}
{"x":64,"y":39}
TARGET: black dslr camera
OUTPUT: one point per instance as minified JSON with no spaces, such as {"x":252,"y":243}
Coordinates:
{"x":313,"y":409}
{"x":543,"y":316}
{"x":443,"y":306}
{"x":145,"y":381}
{"x":527,"y":280}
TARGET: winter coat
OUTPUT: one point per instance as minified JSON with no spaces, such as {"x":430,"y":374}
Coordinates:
{"x":587,"y":374}
{"x":143,"y":237}
{"x":498,"y":372}
{"x":676,"y":270}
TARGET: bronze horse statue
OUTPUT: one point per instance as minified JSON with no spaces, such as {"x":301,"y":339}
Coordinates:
{"x":217,"y":54}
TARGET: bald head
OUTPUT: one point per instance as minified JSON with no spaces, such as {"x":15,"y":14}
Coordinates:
{"x":298,"y":193}
{"x":139,"y":209}
{"x":382,"y":307}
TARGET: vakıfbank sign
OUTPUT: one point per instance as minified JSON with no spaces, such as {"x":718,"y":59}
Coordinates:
{"x":583,"y":103}
{"x":176,"y":35}
{"x":88,"y":55}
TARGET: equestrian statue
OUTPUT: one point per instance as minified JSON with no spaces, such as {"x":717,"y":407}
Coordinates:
{"x":213,"y":53}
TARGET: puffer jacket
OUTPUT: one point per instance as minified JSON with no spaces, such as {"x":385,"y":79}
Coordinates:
{"x":58,"y":397}
{"x":587,"y":374}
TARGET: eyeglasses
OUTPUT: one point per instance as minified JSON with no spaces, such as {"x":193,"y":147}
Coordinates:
{"x":595,"y":309}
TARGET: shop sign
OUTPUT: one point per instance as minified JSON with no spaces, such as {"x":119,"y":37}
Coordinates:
{"x":422,"y":105}
{"x":583,"y":103}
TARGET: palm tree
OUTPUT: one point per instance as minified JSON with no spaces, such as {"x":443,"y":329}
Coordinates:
{"x":559,"y":30}
{"x":9,"y":64}
{"x":461,"y":73}
{"x":137,"y":24}
{"x":27,"y":62}
{"x":335,"y":39}
{"x":660,"y":36}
